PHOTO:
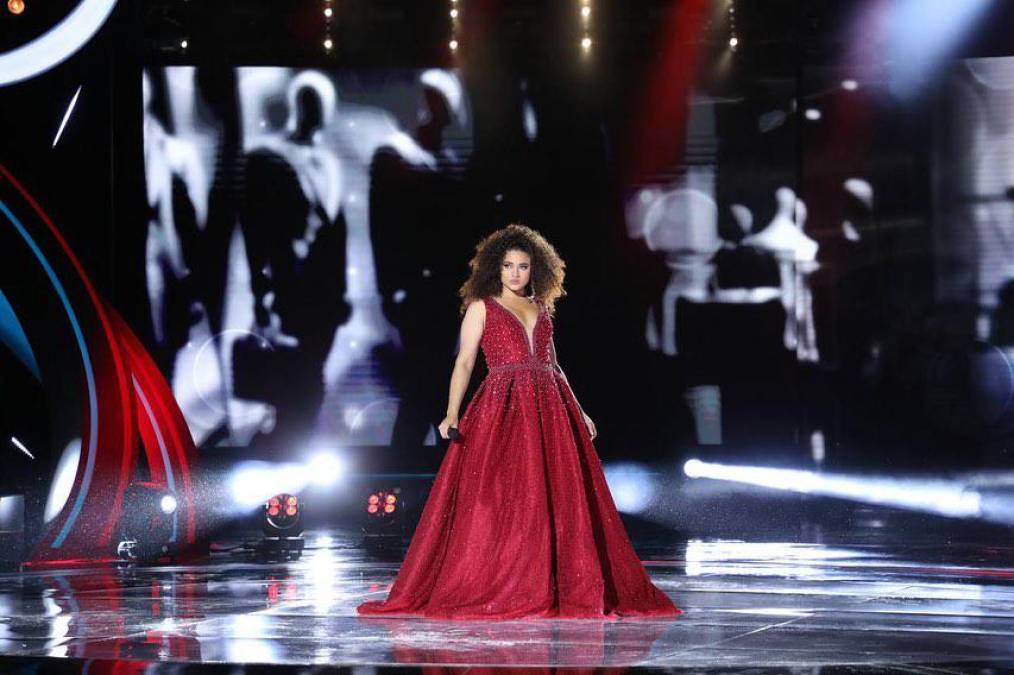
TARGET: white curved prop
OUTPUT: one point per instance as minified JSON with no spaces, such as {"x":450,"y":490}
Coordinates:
{"x":54,"y":46}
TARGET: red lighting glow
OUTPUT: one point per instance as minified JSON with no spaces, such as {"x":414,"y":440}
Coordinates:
{"x":382,"y":503}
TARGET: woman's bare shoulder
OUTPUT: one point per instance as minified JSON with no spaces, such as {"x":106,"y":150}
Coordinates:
{"x":476,"y":308}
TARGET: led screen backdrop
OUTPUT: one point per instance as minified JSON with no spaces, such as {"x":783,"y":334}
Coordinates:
{"x":762,"y":291}
{"x":264,"y":188}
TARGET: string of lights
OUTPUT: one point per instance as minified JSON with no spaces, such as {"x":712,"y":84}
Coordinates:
{"x":328,"y":21}
{"x":586,"y":12}
{"x":455,"y":13}
{"x":733,"y":37}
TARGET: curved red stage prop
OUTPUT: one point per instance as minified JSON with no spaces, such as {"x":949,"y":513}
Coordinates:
{"x":128,"y":404}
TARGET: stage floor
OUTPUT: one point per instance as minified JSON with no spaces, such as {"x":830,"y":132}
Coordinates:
{"x":746,"y":604}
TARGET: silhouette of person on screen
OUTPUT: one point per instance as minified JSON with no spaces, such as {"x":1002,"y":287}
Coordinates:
{"x":415,"y":205}
{"x":172,"y":172}
{"x":295,"y":237}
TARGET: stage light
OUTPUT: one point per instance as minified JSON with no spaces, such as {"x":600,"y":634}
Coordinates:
{"x":254,"y":481}
{"x":328,"y":44}
{"x":693,"y":468}
{"x":184,"y":44}
{"x":282,"y":527}
{"x":948,"y":498}
{"x":16,"y":6}
{"x":283,"y":515}
{"x":168,"y":504}
{"x":148,"y":526}
{"x":734,"y":42}
{"x":849,"y":85}
{"x":632,"y":486}
{"x":920,"y":36}
{"x":325,"y":469}
{"x":812,"y":114}
{"x":586,"y":12}
{"x":384,"y":513}
{"x":586,"y":43}
{"x":328,"y":12}
{"x":454,"y":13}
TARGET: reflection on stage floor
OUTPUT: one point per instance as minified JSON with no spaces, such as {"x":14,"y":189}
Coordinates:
{"x":900,"y":601}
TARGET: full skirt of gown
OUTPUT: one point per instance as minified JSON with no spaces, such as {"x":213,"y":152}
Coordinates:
{"x":520,"y":522}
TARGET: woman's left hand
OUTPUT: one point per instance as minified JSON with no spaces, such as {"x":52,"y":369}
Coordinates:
{"x":591,"y":426}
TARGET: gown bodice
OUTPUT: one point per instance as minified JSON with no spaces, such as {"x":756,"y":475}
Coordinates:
{"x":505,"y":343}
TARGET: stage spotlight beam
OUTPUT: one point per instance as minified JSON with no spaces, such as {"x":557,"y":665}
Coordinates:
{"x":942,"y":497}
{"x":326,"y":469}
{"x":921,"y":34}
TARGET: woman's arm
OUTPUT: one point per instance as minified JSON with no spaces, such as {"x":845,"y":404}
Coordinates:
{"x":556,"y":365}
{"x":471,"y":334}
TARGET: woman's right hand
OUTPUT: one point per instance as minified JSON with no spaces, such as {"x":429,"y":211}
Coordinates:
{"x":449,"y":421}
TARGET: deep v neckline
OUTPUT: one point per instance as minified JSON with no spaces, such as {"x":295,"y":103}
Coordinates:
{"x":529,"y":338}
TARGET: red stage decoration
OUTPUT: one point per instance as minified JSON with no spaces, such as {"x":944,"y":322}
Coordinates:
{"x":128,"y":405}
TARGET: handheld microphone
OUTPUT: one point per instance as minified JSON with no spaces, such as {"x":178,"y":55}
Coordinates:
{"x":453,"y":434}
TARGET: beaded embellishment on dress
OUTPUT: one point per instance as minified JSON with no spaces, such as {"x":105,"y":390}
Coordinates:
{"x":520,"y":521}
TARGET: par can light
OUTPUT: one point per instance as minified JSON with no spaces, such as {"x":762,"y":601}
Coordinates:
{"x":283,"y":516}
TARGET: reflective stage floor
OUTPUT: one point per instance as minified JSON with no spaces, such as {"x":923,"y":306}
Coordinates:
{"x":894,"y":591}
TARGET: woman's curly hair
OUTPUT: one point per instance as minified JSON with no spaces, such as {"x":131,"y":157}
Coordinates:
{"x":547,"y":270}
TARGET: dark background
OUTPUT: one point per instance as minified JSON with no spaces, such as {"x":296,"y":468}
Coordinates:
{"x":611,"y":121}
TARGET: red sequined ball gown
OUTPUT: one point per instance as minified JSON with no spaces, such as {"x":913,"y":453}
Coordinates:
{"x":520,"y":522}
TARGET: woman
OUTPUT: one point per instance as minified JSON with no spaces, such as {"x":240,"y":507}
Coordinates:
{"x":520,"y":522}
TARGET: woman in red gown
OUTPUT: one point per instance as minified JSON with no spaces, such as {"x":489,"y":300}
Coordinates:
{"x":520,"y":522}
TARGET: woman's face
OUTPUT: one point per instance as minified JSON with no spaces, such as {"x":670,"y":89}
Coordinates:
{"x":515,"y":271}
